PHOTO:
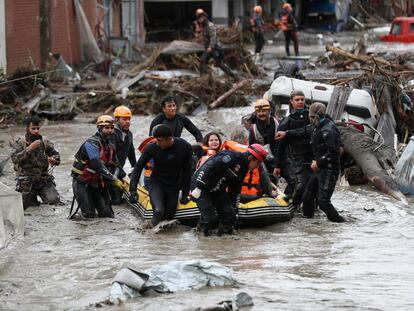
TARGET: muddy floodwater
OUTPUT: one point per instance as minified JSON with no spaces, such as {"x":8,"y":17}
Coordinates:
{"x":59,"y":264}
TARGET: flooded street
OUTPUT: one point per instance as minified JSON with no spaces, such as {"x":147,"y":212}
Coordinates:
{"x":364,"y":264}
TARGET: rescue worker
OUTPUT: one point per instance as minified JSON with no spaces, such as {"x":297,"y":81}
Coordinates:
{"x":326,"y":146}
{"x":216,"y":187}
{"x":124,"y":146}
{"x":299,"y":149}
{"x":175,"y":121}
{"x":290,"y":28}
{"x":196,"y":26}
{"x":32,"y":155}
{"x":171,"y":173}
{"x":212,"y":46}
{"x":263,"y":129}
{"x":257,"y":27}
{"x":93,"y":171}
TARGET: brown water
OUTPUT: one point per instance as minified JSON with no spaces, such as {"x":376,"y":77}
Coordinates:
{"x":364,"y":264}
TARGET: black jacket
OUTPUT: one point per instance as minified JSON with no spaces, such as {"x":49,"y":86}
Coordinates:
{"x":176,"y":125}
{"x":326,"y":143}
{"x":124,"y":145}
{"x":172,"y":166}
{"x":299,"y":147}
{"x":225,"y":170}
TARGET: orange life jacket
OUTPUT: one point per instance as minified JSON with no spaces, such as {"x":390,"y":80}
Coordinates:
{"x":141,"y":148}
{"x":208,"y":153}
{"x":284,"y":25}
{"x":251,"y":183}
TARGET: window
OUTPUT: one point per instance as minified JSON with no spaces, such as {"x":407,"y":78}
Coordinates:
{"x":396,"y":29}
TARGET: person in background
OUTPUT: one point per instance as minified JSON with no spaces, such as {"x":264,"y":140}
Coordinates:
{"x":32,"y":155}
{"x":257,"y":27}
{"x":196,"y":27}
{"x":290,"y":28}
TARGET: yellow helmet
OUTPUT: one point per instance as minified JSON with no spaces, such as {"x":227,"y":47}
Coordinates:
{"x":105,"y":120}
{"x":262,"y":104}
{"x":122,"y":111}
{"x":199,"y":12}
{"x":258,"y":9}
{"x":287,"y":6}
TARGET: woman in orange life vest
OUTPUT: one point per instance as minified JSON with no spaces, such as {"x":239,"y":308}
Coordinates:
{"x":211,"y":145}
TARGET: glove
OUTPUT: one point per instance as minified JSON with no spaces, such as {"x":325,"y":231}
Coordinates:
{"x":184,"y":200}
{"x":196,"y":193}
{"x":133,"y":197}
{"x":118,"y":183}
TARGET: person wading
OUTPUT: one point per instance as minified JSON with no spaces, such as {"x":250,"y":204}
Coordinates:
{"x":326,"y":146}
{"x":257,"y":27}
{"x":171,"y":172}
{"x":290,"y":28}
{"x":216,"y":187}
{"x":299,"y":149}
{"x":124,"y":146}
{"x":32,"y":155}
{"x":93,"y":171}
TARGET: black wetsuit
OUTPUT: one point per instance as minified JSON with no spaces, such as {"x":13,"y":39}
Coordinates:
{"x":326,"y":143}
{"x":299,"y":151}
{"x":177,"y":124}
{"x":171,"y":172}
{"x":124,"y":146}
{"x":220,"y":179}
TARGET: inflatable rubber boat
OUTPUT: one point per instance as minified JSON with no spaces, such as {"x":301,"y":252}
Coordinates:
{"x":261,"y":212}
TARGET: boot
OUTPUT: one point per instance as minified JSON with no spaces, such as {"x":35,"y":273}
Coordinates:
{"x":332,"y":213}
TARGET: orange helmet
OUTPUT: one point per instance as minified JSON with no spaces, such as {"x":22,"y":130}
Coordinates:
{"x":105,"y":120}
{"x":122,"y":111}
{"x":199,"y":12}
{"x":257,"y":151}
{"x":262,"y":104}
{"x":258,"y":9}
{"x":287,"y":6}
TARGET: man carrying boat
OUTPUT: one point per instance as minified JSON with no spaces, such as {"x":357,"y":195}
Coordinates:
{"x":93,"y":171}
{"x":171,"y":173}
{"x":216,"y":187}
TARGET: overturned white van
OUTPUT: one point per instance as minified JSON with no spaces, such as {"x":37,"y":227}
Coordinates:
{"x":359,"y":107}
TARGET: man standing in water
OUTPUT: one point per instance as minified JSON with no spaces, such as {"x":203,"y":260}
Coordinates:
{"x":290,"y":28}
{"x":124,"y":146}
{"x":326,"y":146}
{"x":171,"y":172}
{"x":299,"y":148}
{"x":216,"y":187}
{"x":31,"y":156}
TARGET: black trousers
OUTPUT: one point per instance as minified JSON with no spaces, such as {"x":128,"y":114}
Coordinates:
{"x":116,"y":195}
{"x":302,"y":171}
{"x":216,"y":211}
{"x":31,"y":189}
{"x":164,"y":202}
{"x":287,"y":172}
{"x":291,"y":35}
{"x":92,"y":200}
{"x":259,"y":40}
{"x":321,"y":186}
{"x":218,"y":57}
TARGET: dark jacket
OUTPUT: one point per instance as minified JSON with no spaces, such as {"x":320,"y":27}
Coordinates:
{"x":264,"y":134}
{"x":172,"y":166}
{"x":326,"y":143}
{"x":299,"y":147}
{"x":176,"y":125}
{"x":225,"y":170}
{"x":124,"y":145}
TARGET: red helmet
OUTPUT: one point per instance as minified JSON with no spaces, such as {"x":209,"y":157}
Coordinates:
{"x":257,"y":151}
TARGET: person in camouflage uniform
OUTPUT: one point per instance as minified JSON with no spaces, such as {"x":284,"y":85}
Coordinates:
{"x":31,"y":156}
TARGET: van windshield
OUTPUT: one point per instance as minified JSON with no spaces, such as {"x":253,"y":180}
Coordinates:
{"x":396,"y":29}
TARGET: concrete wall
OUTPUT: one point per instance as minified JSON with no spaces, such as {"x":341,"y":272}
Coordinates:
{"x":220,"y":12}
{"x":11,"y":214}
{"x":3,"y":60}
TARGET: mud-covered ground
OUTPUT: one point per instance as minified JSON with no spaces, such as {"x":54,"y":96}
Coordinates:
{"x":59,"y":264}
